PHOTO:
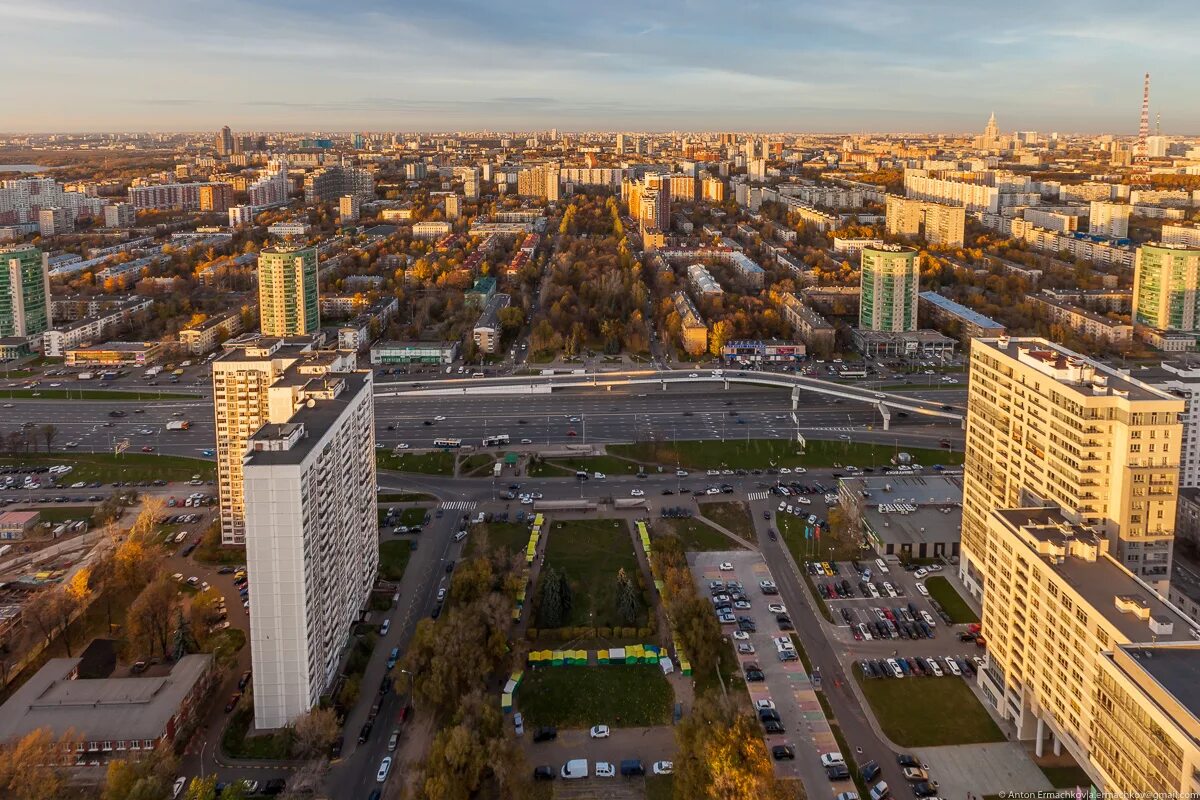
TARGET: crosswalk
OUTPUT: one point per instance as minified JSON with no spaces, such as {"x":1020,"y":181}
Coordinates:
{"x":759,"y":495}
{"x":459,"y":505}
{"x":841,"y":428}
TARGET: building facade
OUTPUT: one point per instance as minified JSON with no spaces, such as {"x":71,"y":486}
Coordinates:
{"x":311,"y":535}
{"x":1166,"y":287}
{"x":890,"y":282}
{"x":25,"y":305}
{"x":288,"y":303}
{"x":940,"y":224}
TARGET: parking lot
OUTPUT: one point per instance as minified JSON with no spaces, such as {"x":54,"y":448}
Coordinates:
{"x":784,"y":683}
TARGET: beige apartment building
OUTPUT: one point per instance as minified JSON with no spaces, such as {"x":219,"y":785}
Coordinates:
{"x":940,"y":224}
{"x":1046,"y":425}
{"x":1084,"y":656}
{"x":249,"y":391}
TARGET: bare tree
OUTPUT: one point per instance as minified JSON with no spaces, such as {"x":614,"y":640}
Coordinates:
{"x":151,"y":616}
{"x":315,"y":732}
{"x":49,"y":433}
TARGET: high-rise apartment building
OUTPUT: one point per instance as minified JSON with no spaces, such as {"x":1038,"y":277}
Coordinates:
{"x":216,"y":197}
{"x":330,"y":184}
{"x":713,"y":190}
{"x":940,"y":224}
{"x":119,"y":215}
{"x":55,"y":221}
{"x":620,"y":143}
{"x":224,"y":141}
{"x":1047,"y":426}
{"x":288,"y":304}
{"x":25,"y":306}
{"x":1166,"y":287}
{"x":453,"y":206}
{"x":311,"y":534}
{"x":348,"y":208}
{"x":540,"y":181}
{"x":890,"y":281}
{"x":1109,"y":219}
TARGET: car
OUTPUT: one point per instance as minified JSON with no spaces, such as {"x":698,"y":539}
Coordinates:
{"x":914,"y":774}
{"x":777,"y":608}
{"x":837,"y":772}
{"x":783,"y":752}
{"x":663,"y":767}
{"x":439,"y":418}
{"x":694,"y":375}
{"x":880,"y":791}
{"x":763,"y":704}
{"x":784,"y":622}
{"x":546,"y":733}
{"x":906,"y":760}
{"x":745,"y":649}
{"x":831,"y":758}
{"x":726,"y":566}
{"x":773,"y":727}
{"x":637,"y":493}
{"x":924,"y":789}
{"x":753,"y":673}
{"x":604,"y":769}
{"x":741,"y":635}
{"x":599,"y":732}
{"x":922,"y":590}
{"x":543,"y":773}
{"x":385,"y":767}
{"x":233,"y":701}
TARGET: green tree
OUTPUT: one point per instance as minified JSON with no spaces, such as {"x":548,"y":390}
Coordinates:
{"x":202,"y":789}
{"x":147,"y":778}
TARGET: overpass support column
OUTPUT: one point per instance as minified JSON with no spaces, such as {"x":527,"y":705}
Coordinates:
{"x":795,"y":398}
{"x":887,"y":415}
{"x":664,"y":384}
{"x":726,"y":383}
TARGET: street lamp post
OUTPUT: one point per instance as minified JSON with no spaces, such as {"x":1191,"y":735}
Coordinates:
{"x":412,"y":700}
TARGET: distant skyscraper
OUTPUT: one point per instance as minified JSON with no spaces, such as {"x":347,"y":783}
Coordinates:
{"x":24,"y":291}
{"x":620,"y":143}
{"x":288,"y":304}
{"x":453,"y":206}
{"x":890,"y":280}
{"x":1109,"y":219}
{"x":225,"y":142}
{"x":1166,"y":287}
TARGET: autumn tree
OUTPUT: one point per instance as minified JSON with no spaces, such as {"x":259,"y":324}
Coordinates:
{"x":315,"y":732}
{"x":27,"y":769}
{"x":725,"y":755}
{"x":147,"y":778}
{"x":473,"y":756}
{"x":152,"y":616}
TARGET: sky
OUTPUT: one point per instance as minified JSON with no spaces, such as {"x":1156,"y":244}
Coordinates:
{"x":444,"y":65}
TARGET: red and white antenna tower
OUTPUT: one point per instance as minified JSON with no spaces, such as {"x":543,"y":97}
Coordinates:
{"x":1144,"y":127}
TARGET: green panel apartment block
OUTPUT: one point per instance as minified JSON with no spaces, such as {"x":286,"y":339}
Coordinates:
{"x":24,"y":291}
{"x":1165,"y":282}
{"x":890,"y":286}
{"x":287,"y":291}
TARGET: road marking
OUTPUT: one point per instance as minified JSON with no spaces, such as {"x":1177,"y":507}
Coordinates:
{"x":759,"y":495}
{"x":459,"y":505}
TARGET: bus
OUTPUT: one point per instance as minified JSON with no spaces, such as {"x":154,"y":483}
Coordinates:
{"x":447,"y":443}
{"x":497,"y":440}
{"x":853,"y":373}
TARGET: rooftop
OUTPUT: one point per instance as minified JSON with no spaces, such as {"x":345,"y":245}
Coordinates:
{"x":99,"y":709}
{"x":290,"y":442}
{"x":1174,"y":667}
{"x":1073,"y":371}
{"x":968,"y":315}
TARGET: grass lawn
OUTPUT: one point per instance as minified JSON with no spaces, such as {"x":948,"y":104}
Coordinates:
{"x":509,"y":536}
{"x":437,"y":462}
{"x":943,"y":591}
{"x":236,"y":743}
{"x":694,"y":534}
{"x":762,"y":453}
{"x":476,"y":462}
{"x":928,"y":712}
{"x":609,"y":465}
{"x":620,"y":695}
{"x":413,"y":516}
{"x":107,"y":468}
{"x":1066,"y":777}
{"x":91,"y":394}
{"x":733,"y":516}
{"x":589,"y":552}
{"x":62,"y":514}
{"x":405,"y":497}
{"x":393,"y":558}
{"x":802,"y":549}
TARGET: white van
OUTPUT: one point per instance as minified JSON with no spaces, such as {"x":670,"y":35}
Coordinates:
{"x":458,"y":537}
{"x":883,"y":568}
{"x":574,"y":769}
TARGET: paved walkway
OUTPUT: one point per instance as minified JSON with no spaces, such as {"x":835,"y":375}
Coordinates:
{"x":746,"y":543}
{"x":983,"y":769}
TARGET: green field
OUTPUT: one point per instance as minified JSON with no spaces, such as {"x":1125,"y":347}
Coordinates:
{"x":474,"y":463}
{"x":437,"y":462}
{"x":928,"y":712}
{"x":791,"y":528}
{"x":107,"y":468}
{"x":62,"y":513}
{"x":609,"y":465}
{"x":589,"y":553}
{"x":404,"y":497}
{"x":695,"y":536}
{"x":621,"y":696}
{"x":764,"y":453}
{"x":943,"y":591}
{"x":91,"y":394}
{"x":393,"y":558}
{"x":733,"y":516}
{"x":509,"y":536}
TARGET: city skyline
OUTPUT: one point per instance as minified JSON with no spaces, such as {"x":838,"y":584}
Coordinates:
{"x":857,"y":66}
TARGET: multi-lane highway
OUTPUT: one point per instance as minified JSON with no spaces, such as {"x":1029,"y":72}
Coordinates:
{"x":691,"y":411}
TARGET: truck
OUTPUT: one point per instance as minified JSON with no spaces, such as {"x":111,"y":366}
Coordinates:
{"x":85,"y":376}
{"x":178,"y":425}
{"x":496,"y":469}
{"x":150,"y":373}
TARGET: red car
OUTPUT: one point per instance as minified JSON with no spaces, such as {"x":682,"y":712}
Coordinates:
{"x":572,"y":432}
{"x":147,"y":449}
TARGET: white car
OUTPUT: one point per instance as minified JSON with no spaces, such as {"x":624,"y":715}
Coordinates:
{"x":712,"y":490}
{"x":599,"y":476}
{"x":934,"y":667}
{"x":725,"y":566}
{"x":785,"y":471}
{"x":694,"y":375}
{"x":953,"y":666}
{"x":439,"y":418}
{"x":777,"y":608}
{"x":637,"y":492}
{"x":712,"y":472}
{"x":402,"y":446}
{"x":920,"y":573}
{"x":385,"y":767}
{"x":803,"y":501}
{"x":605,"y":770}
{"x":782,"y":506}
{"x":745,"y":649}
{"x":798,"y":470}
{"x":922,"y":590}
{"x":599,"y":732}
{"x":741,"y":636}
{"x":832,"y":759}
{"x":764,"y":705}
{"x":663,"y":767}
